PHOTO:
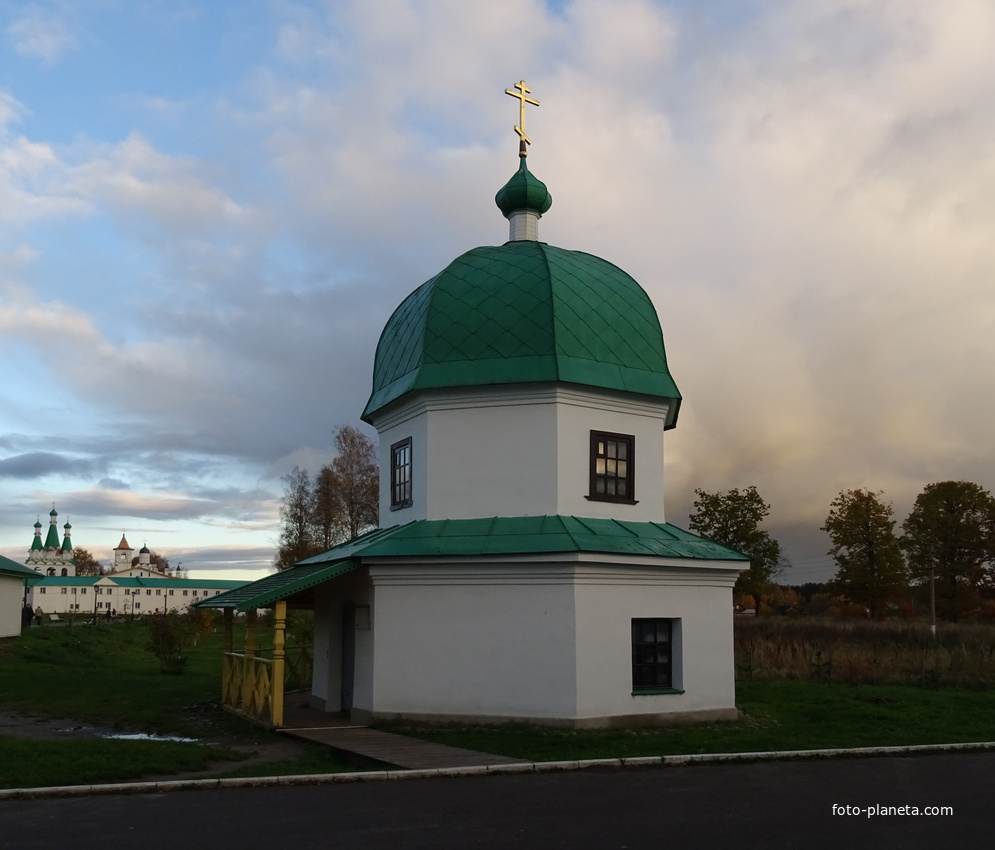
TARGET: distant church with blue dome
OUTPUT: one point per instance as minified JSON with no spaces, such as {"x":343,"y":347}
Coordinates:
{"x":523,"y":569}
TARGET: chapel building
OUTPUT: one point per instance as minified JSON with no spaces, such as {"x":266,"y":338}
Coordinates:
{"x":523,"y":569}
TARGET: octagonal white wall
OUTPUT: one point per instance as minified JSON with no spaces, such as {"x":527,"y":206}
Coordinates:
{"x":518,"y":451}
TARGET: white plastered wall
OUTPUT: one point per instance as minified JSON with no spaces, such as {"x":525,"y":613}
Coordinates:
{"x":486,"y":640}
{"x":326,"y":686}
{"x":11,"y":603}
{"x":547,"y":639}
{"x":579,"y":413}
{"x":518,"y":451}
{"x":699,"y":599}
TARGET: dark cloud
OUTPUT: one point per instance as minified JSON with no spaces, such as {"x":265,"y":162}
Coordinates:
{"x":40,"y":464}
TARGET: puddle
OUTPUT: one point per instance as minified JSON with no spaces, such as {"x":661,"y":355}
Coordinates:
{"x":142,"y":736}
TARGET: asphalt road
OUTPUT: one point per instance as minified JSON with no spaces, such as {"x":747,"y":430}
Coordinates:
{"x":769,"y":805}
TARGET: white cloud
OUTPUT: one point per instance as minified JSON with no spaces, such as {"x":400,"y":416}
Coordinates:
{"x":806,"y":197}
{"x":41,"y":34}
{"x":10,"y":110}
{"x":806,"y":191}
{"x":133,"y":179}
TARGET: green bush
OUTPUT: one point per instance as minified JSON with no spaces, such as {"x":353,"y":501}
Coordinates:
{"x":169,"y":639}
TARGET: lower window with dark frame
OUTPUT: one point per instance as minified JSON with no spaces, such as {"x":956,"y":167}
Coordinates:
{"x":400,"y":474}
{"x":652,"y":655}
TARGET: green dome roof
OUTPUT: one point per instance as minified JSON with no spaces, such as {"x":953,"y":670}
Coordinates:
{"x":524,"y":312}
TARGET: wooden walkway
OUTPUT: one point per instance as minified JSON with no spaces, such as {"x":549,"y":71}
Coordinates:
{"x":387,"y":748}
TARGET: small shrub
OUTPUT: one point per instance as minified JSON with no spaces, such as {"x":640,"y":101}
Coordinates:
{"x":169,"y":635}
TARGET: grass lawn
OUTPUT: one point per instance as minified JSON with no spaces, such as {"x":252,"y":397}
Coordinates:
{"x":33,"y":764}
{"x":319,"y":759}
{"x":105,"y":676}
{"x":777,"y":715}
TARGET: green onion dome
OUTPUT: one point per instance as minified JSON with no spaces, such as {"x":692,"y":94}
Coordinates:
{"x":524,"y":191}
{"x":521,"y":313}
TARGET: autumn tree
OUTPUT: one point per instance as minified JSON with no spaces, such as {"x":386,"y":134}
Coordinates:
{"x":298,"y":539}
{"x":870,"y":566}
{"x":156,"y":562}
{"x":86,"y":564}
{"x":733,"y":519}
{"x":353,"y":481}
{"x":950,"y":535}
{"x":341,"y":503}
{"x":327,"y":511}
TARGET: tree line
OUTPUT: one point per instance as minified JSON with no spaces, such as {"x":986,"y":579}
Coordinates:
{"x":338,"y":504}
{"x":946,"y":546}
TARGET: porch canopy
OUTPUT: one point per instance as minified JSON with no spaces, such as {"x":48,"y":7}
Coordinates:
{"x":12,"y":568}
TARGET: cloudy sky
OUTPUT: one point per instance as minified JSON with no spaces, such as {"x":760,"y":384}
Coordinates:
{"x":209,"y":209}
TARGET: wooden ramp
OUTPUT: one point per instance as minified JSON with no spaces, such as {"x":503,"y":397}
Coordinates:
{"x":387,"y":748}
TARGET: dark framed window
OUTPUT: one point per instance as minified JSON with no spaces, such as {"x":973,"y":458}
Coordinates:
{"x":400,"y":474}
{"x":612,"y":467}
{"x":652,"y":655}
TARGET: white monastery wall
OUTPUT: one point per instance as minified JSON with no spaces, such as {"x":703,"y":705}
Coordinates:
{"x":54,"y":598}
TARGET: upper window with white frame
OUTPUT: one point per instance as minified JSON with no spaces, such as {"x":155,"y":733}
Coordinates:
{"x":612,"y":467}
{"x":400,"y":474}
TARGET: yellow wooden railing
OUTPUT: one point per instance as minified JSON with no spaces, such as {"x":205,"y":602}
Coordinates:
{"x":299,"y":666}
{"x":252,"y":686}
{"x":248,"y":687}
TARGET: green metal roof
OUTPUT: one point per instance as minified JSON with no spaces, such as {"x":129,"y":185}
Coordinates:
{"x":489,"y":536}
{"x":524,"y":191}
{"x":141,"y":581}
{"x":266,"y":591}
{"x":529,"y":535}
{"x":12,"y":568}
{"x":134,"y":581}
{"x":52,"y":541}
{"x":524,"y":312}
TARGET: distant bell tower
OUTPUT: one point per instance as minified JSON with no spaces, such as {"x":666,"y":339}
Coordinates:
{"x":122,"y":554}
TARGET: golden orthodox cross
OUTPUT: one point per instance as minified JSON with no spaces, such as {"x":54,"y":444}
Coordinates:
{"x":522,"y":95}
